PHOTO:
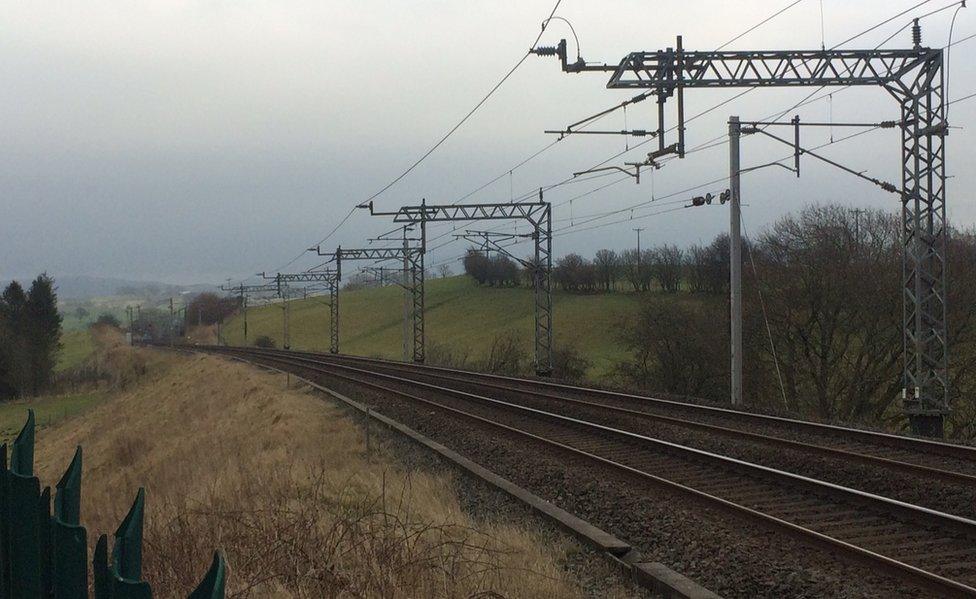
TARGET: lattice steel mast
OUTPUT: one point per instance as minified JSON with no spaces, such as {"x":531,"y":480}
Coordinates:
{"x":915,"y":78}
{"x":538,"y":214}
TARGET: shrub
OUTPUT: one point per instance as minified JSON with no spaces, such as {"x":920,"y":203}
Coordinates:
{"x":569,"y":364}
{"x":677,"y":349}
{"x":106,"y":319}
{"x":441,"y":355}
{"x":506,"y":356}
{"x":264,"y":341}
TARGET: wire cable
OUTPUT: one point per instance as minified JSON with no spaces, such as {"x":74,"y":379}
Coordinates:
{"x":761,"y":23}
{"x":439,"y":142}
{"x":617,"y":155}
{"x":952,"y":25}
{"x":762,"y":305}
{"x":470,"y":112}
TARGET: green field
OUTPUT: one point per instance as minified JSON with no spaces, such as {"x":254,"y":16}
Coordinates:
{"x":76,"y":346}
{"x":93,"y":308}
{"x":460,"y":315}
{"x":47,"y":410}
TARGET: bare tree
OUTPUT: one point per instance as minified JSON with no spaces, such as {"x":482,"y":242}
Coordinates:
{"x":607,"y":265}
{"x":569,"y":272}
{"x":707,"y":267}
{"x":638,"y":270}
{"x":668,"y":266}
{"x":675,"y":348}
{"x":832,"y":293}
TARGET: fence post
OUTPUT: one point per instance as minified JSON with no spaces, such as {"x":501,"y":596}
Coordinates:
{"x":212,"y":585}
{"x":44,"y":554}
{"x":4,"y":562}
{"x":44,"y":533}
{"x":126,"y":568}
{"x":100,"y":580}
{"x":23,"y":516}
{"x":70,"y":554}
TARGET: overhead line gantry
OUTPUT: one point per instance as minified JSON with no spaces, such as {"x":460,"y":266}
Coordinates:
{"x":915,"y":78}
{"x":537,"y":213}
{"x":413,"y":258}
{"x":331,"y":279}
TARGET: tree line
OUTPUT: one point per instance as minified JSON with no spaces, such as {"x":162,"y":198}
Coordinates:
{"x":822,"y":325}
{"x":698,"y":268}
{"x":30,"y":334}
{"x":822,"y":316}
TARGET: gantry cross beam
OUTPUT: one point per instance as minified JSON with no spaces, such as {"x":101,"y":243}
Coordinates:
{"x":915,"y":78}
{"x":538,"y":214}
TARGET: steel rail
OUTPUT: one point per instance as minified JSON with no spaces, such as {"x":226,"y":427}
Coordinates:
{"x":964,"y":452}
{"x":810,"y":448}
{"x":914,"y":574}
{"x":935,"y":517}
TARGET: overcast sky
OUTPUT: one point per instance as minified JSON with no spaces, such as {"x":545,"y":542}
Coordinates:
{"x":194,"y":141}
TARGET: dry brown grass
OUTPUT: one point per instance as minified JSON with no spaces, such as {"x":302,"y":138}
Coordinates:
{"x":278,"y":479}
{"x":115,"y":359}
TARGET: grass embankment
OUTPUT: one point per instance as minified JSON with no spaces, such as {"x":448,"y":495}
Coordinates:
{"x":460,"y":316}
{"x":279,"y":479}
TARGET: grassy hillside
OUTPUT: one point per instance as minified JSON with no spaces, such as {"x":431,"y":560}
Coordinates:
{"x":76,"y":346}
{"x":461,"y":316}
{"x":283,"y":484}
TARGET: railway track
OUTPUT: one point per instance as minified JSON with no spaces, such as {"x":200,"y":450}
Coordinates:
{"x":920,"y":458}
{"x":927,"y":547}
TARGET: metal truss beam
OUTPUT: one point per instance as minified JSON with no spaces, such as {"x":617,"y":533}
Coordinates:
{"x":458,"y":212}
{"x":669,"y":69}
{"x":915,"y":77}
{"x":322,"y":276}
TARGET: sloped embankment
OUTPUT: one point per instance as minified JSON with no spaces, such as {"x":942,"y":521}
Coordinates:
{"x":279,"y":479}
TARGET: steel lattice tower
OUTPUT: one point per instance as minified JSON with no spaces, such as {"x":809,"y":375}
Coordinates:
{"x":916,"y":80}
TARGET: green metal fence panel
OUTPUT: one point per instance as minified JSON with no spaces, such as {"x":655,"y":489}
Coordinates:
{"x":100,"y":575}
{"x":130,"y":589}
{"x":126,"y":566}
{"x":212,"y":585}
{"x":70,"y":540}
{"x":44,"y":517}
{"x":45,"y":555}
{"x":24,"y":539}
{"x":24,"y":517}
{"x":4,"y":563}
{"x":67,"y":502}
{"x":22,"y":453}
